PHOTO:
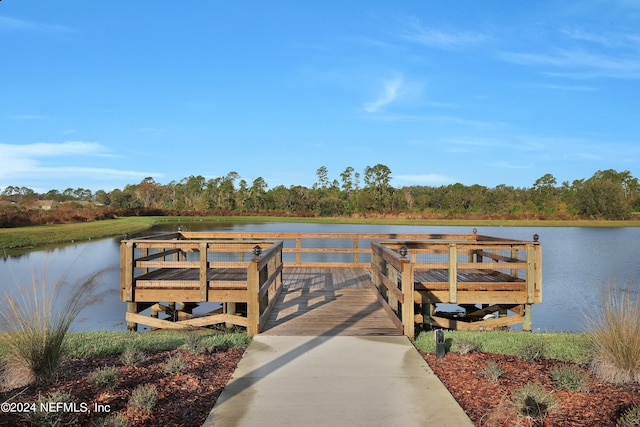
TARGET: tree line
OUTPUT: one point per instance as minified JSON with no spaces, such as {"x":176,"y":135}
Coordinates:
{"x":607,"y":194}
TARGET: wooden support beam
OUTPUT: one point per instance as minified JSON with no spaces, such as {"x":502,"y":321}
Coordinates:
{"x":203,"y":271}
{"x":253,"y":298}
{"x":453,"y":273}
{"x":408,"y":308}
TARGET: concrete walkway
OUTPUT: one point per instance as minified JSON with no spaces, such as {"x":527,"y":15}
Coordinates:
{"x":335,"y":381}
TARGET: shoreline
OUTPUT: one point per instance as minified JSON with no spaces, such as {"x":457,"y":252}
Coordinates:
{"x":31,"y":237}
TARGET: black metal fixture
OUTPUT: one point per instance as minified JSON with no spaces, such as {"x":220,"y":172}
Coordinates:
{"x":127,"y":236}
{"x":440,"y":349}
{"x":403,"y":251}
{"x":257,"y":250}
{"x":535,"y":237}
{"x":179,"y":228}
{"x":475,"y":231}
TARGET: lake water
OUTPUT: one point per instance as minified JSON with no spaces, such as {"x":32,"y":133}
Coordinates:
{"x":576,"y":263}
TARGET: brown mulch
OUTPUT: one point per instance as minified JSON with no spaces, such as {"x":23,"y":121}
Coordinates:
{"x":488,"y":403}
{"x":186,"y":398}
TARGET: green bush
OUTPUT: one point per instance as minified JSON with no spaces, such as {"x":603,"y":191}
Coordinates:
{"x":174,"y":365}
{"x":104,"y":378}
{"x":616,"y":335}
{"x":492,"y":371}
{"x":630,"y":418}
{"x":132,"y":357}
{"x":568,"y":377}
{"x":143,"y":398}
{"x":464,"y":345}
{"x":534,"y":402}
{"x":532,"y":351}
{"x":113,"y":420}
{"x":195,"y":343}
{"x":49,"y":418}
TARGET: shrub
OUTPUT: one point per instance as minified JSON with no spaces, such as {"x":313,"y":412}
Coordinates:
{"x":568,"y":377}
{"x":104,"y":378}
{"x":533,"y":401}
{"x":143,"y":398}
{"x":532,"y":351}
{"x":630,"y":418}
{"x":492,"y":371}
{"x":36,"y":320}
{"x":174,"y":365}
{"x":194,"y":343}
{"x":113,"y":420}
{"x":616,"y":336}
{"x":132,"y":357}
{"x":48,"y":418}
{"x":465,"y":345}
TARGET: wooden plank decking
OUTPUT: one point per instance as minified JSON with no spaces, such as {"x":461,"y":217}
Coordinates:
{"x":328,"y":301}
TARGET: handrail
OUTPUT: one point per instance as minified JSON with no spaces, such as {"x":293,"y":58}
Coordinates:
{"x":388,"y":268}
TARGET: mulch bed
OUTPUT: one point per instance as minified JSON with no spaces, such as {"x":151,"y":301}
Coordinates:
{"x":187,"y":397}
{"x":184,"y":398}
{"x":488,"y":403}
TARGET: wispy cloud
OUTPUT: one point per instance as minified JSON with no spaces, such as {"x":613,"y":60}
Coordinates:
{"x":391,"y":90}
{"x":441,"y":39}
{"x":581,"y":62}
{"x":31,"y":160}
{"x":14,"y":24}
{"x":425,"y":179}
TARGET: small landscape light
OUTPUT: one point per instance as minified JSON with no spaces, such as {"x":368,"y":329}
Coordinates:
{"x":440,"y":350}
{"x":257,"y":250}
{"x":403,"y":251}
{"x":535,"y":237}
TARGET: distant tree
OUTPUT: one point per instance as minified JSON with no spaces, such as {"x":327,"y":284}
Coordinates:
{"x":377,"y":180}
{"x":601,"y":198}
{"x":323,"y":178}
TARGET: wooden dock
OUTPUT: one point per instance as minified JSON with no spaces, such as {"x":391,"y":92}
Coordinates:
{"x":330,"y":283}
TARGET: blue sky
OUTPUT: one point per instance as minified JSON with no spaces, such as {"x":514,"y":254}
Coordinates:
{"x":99,"y":94}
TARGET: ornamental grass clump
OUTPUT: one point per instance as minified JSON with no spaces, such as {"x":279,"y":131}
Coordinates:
{"x":105,"y":378}
{"x":534,"y":402}
{"x":35,"y":320}
{"x":568,"y":377}
{"x":615,"y":340}
{"x":630,"y":417}
{"x":143,"y":398}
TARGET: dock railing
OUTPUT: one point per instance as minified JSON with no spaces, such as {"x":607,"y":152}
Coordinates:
{"x":465,"y":269}
{"x":179,"y":271}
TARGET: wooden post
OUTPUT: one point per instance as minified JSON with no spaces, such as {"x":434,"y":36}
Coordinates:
{"x":298,"y":246}
{"x":453,"y":274}
{"x":253,"y":297}
{"x":527,"y":318}
{"x":392,"y":275}
{"x":408,"y":320}
{"x":531,"y":273}
{"x":132,"y":307}
{"x":204,"y":265}
{"x":356,"y":255}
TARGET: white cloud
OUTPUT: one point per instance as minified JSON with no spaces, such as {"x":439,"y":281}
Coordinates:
{"x":425,"y":179}
{"x":26,"y":161}
{"x":580,"y":63}
{"x":391,"y":90}
{"x":7,"y":23}
{"x":439,"y":39}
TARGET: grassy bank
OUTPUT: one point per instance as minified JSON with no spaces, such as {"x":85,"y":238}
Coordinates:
{"x":40,"y":235}
{"x":24,"y":237}
{"x":102,"y":343}
{"x":562,"y":346}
